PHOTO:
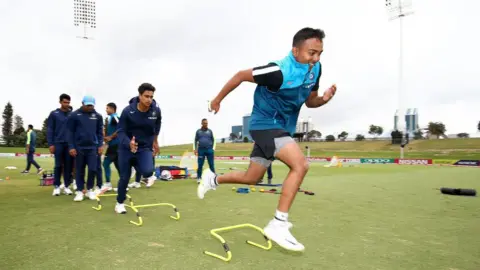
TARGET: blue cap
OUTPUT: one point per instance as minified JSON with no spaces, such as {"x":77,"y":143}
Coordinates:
{"x":88,"y":100}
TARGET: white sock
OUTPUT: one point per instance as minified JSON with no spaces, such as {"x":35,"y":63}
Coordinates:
{"x":281,"y":216}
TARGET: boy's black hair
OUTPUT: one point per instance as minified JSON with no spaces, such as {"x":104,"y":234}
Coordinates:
{"x":145,"y":87}
{"x":204,"y":119}
{"x":64,"y":96}
{"x":112,"y":105}
{"x":30,"y":126}
{"x":307,"y":33}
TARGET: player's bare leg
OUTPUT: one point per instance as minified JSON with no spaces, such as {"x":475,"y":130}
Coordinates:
{"x":278,"y":229}
{"x":292,"y":156}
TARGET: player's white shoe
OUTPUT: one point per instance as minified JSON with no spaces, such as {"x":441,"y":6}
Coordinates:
{"x":67,"y":191}
{"x":134,"y":185}
{"x":106,"y":187}
{"x":151,"y":180}
{"x":207,"y":183}
{"x":78,"y":196}
{"x":120,"y":208}
{"x":279,"y":232}
{"x":92,"y":194}
{"x":56,"y":191}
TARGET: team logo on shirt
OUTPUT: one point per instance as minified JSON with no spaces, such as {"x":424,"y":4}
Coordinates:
{"x":93,"y":116}
{"x":311,"y":76}
{"x":153,"y":117}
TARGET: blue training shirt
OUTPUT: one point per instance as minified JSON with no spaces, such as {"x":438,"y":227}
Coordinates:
{"x":85,"y":130}
{"x":57,"y":127}
{"x":111,"y":126}
{"x":143,"y":125}
{"x":283,"y":86}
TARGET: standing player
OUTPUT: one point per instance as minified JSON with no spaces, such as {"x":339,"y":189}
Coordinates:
{"x":30,"y":150}
{"x":282,"y":88}
{"x":58,"y":145}
{"x":204,"y":146}
{"x":111,"y":139}
{"x":85,"y":143}
{"x":138,"y":133}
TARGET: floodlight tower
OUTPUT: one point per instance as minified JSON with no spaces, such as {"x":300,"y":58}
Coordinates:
{"x":84,"y":18}
{"x":398,"y":9}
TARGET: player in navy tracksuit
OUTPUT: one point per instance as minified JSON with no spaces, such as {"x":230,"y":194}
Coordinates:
{"x":85,"y":143}
{"x":283,"y":87}
{"x":138,"y":133}
{"x":58,"y":145}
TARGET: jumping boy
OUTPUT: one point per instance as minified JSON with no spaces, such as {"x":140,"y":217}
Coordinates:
{"x":282,"y":88}
{"x":137,"y":134}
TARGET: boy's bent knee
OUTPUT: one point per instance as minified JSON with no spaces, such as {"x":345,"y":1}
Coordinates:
{"x":301,"y":166}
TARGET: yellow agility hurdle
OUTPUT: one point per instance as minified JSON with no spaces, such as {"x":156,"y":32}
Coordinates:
{"x":140,"y":220}
{"x":215,"y":232}
{"x":99,"y":207}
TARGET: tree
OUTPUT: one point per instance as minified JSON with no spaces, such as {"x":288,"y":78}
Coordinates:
{"x":418,"y":135}
{"x":359,"y":137}
{"x":223,"y":140}
{"x":436,"y":128}
{"x":330,"y":138}
{"x":19,"y":140}
{"x":478,"y":127}
{"x":463,"y":135}
{"x":314,"y":134}
{"x":375,"y":130}
{"x":42,"y":135}
{"x":397,"y":137}
{"x":18,"y":127}
{"x":7,"y":127}
{"x":245,"y":139}
{"x":343,"y":135}
{"x":233,"y":136}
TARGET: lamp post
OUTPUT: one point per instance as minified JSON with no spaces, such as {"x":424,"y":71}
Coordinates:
{"x":84,"y":19}
{"x":398,"y":9}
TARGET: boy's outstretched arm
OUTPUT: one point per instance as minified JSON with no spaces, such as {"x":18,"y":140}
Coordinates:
{"x":269,"y":75}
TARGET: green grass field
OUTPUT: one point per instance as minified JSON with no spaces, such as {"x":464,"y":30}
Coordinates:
{"x":427,"y":149}
{"x":363,"y":217}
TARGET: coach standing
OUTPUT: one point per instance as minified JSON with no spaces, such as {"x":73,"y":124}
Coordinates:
{"x":204,"y":146}
{"x":138,"y":131}
{"x":58,"y":145}
{"x":85,"y":143}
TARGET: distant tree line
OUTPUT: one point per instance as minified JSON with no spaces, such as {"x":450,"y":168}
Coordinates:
{"x":13,"y":130}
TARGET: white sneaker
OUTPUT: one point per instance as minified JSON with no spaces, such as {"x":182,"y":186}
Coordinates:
{"x":78,"y":196}
{"x":67,"y":191}
{"x":120,"y":208}
{"x":56,"y":191}
{"x":151,"y":180}
{"x":134,"y":185}
{"x":74,"y":185}
{"x":207,"y":183}
{"x":279,"y":232}
{"x":107,"y":187}
{"x":92,"y":194}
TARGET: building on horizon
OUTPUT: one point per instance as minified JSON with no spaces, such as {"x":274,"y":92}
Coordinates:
{"x":237,"y":130}
{"x":304,"y":126}
{"x":246,"y":127}
{"x":411,"y":121}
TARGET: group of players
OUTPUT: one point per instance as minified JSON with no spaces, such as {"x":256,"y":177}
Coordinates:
{"x":283,"y":87}
{"x":77,"y":140}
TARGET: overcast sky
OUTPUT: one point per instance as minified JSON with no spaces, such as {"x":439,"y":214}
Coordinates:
{"x":189,"y":49}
